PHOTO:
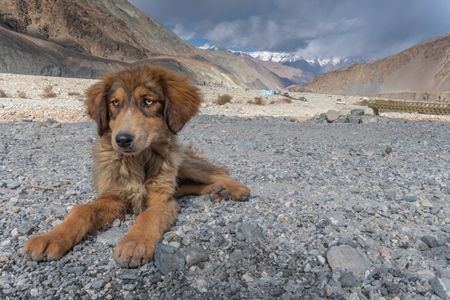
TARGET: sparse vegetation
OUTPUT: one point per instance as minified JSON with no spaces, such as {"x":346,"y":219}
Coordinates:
{"x":3,"y":94}
{"x":363,"y":102}
{"x":21,"y":94}
{"x":73,"y":94}
{"x":258,"y":100}
{"x":286,"y":100}
{"x":223,"y":99}
{"x":48,"y":92}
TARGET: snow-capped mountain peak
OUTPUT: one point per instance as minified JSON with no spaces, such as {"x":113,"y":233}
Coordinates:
{"x":280,"y":57}
{"x":315,"y":66}
{"x":209,"y":47}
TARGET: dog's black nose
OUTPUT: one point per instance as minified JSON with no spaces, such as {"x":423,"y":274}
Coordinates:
{"x":124,"y":140}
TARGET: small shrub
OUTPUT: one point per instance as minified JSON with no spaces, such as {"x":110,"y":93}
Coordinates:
{"x":22,"y":94}
{"x":272,"y":102}
{"x":223,"y":99}
{"x":73,"y":94}
{"x":363,"y":102}
{"x":48,"y":92}
{"x":258,"y":100}
{"x":286,"y":100}
{"x":3,"y":94}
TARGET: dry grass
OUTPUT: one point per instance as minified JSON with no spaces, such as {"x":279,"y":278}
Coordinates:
{"x":223,"y":99}
{"x":21,"y":94}
{"x":363,"y":102}
{"x":73,"y":94}
{"x":48,"y":92}
{"x":286,"y":100}
{"x":3,"y":94}
{"x":257,"y":101}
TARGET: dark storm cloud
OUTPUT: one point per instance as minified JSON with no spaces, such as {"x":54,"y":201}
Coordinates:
{"x":372,"y":28}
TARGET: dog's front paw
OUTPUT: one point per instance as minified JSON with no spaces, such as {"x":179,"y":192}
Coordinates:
{"x":45,"y":247}
{"x":219,"y":193}
{"x":133,"y":252}
{"x":239,"y":192}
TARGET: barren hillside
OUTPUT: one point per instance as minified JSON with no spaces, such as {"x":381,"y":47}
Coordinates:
{"x":84,"y":37}
{"x":422,"y":69}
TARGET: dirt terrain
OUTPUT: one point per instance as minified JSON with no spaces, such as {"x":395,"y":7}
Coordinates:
{"x":24,"y":97}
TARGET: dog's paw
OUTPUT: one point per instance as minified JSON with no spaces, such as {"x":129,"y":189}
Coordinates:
{"x":133,"y":252}
{"x":45,"y":247}
{"x":219,"y":193}
{"x":239,"y":192}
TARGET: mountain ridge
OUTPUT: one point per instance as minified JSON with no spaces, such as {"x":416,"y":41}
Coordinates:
{"x":93,"y":30}
{"x":421,"y":69}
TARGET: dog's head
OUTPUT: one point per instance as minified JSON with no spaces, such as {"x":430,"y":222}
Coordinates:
{"x":139,"y":103}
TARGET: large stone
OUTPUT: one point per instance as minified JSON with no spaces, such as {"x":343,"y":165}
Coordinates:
{"x":438,"y":287}
{"x":168,"y":259}
{"x":332,"y":115}
{"x":346,"y":257}
{"x":357,"y":111}
{"x":353,"y":119}
{"x":430,"y":241}
{"x":194,"y":255}
{"x":368,"y":119}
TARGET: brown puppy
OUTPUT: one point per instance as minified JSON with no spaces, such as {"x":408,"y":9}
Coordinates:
{"x":139,"y":164}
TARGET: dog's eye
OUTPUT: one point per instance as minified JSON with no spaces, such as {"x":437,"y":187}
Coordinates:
{"x":148,"y":102}
{"x":115,"y":102}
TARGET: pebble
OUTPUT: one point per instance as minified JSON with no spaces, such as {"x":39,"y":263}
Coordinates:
{"x":168,"y":259}
{"x":346,"y":257}
{"x":111,"y":237}
{"x":194,"y":255}
{"x":348,"y":279}
{"x":430,"y":241}
{"x":410,"y":198}
{"x":99,"y":284}
{"x":252,"y":233}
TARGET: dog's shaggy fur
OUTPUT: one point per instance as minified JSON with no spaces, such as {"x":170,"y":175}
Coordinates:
{"x":139,"y":164}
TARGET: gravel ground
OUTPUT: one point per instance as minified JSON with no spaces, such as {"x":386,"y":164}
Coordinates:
{"x":338,"y":211}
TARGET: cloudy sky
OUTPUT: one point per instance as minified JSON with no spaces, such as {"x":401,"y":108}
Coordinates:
{"x":310,"y":28}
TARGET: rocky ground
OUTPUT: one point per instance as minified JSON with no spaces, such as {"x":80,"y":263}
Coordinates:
{"x":338,"y":210}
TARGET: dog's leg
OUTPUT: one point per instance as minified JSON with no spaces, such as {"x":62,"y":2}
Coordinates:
{"x":81,"y":220}
{"x":205,"y":178}
{"x":138,"y":246}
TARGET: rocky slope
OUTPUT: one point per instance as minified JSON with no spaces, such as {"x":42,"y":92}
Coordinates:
{"x":97,"y":36}
{"x":20,"y":53}
{"x":423,"y":68}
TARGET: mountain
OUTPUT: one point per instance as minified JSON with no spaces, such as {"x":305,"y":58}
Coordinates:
{"x":318,"y":66}
{"x":289,"y":75}
{"x":315,"y":66}
{"x":421,"y":70}
{"x":22,"y":54}
{"x":86,"y":37}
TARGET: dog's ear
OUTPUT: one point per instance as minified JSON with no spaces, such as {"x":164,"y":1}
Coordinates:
{"x":182,"y":100}
{"x":96,"y":104}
